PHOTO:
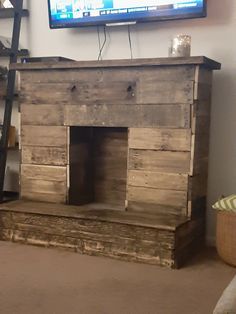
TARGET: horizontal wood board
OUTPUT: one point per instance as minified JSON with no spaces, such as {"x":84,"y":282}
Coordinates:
{"x":198,"y":60}
{"x":32,"y":223}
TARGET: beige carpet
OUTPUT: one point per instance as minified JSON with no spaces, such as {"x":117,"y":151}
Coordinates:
{"x":47,"y":281}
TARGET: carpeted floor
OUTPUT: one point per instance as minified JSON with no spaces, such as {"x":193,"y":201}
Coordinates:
{"x":48,"y":281}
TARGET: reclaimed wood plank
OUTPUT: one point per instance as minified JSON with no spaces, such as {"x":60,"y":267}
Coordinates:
{"x":156,"y":209}
{"x":160,"y":139}
{"x":158,"y":180}
{"x":110,"y":151}
{"x":169,"y":198}
{"x":197,"y":186}
{"x":43,"y":197}
{"x":168,"y":116}
{"x":42,"y":186}
{"x":46,"y":136}
{"x":80,"y":92}
{"x":201,"y":117}
{"x":162,"y":222}
{"x":164,"y":73}
{"x":202,"y":92}
{"x":159,"y":161}
{"x":149,"y":62}
{"x":203,"y":75}
{"x":48,"y":173}
{"x":41,"y":155}
{"x":45,"y":115}
{"x":161,"y":92}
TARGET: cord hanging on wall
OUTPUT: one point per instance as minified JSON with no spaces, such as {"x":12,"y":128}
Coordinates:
{"x":130,"y":42}
{"x":101,"y":47}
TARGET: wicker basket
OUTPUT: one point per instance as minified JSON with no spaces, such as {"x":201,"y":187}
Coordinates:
{"x":226,"y":236}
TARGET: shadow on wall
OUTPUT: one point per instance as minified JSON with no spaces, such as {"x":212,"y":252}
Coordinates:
{"x":220,"y":12}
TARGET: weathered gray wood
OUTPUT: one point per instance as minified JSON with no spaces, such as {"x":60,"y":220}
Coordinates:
{"x":42,"y":115}
{"x":201,"y":117}
{"x":144,"y":91}
{"x":158,"y":180}
{"x":156,"y":209}
{"x":168,"y":116}
{"x":162,"y":222}
{"x":80,"y":92}
{"x":160,"y":139}
{"x":203,"y":75}
{"x":40,"y":155}
{"x":164,"y":73}
{"x":159,"y":161}
{"x":43,"y":197}
{"x":110,"y":150}
{"x":46,"y":136}
{"x":197,"y":187}
{"x":206,"y":62}
{"x":161,"y":92}
{"x":81,"y":175}
{"x":202,"y":92}
{"x":48,"y":173}
{"x":170,"y":198}
{"x":40,"y":224}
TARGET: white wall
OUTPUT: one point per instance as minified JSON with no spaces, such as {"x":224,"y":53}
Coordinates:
{"x":213,"y":37}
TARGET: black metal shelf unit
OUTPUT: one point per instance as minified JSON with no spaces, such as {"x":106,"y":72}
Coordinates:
{"x":16,"y":12}
{"x":10,"y":12}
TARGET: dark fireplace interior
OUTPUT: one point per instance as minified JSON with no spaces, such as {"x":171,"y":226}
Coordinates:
{"x":98,"y":167}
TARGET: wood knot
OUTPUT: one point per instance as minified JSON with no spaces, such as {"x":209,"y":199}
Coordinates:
{"x":130,"y":90}
{"x":73,"y":88}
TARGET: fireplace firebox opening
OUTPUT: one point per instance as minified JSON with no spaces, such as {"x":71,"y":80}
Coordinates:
{"x":98,"y":166}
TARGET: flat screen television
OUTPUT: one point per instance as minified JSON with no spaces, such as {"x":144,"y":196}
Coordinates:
{"x":76,"y":13}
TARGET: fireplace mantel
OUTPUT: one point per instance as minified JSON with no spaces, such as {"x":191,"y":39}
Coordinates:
{"x":122,"y":135}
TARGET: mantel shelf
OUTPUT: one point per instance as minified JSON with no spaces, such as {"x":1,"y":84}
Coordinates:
{"x":9,"y":13}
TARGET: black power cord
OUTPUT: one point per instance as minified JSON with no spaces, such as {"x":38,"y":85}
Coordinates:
{"x":101,"y":47}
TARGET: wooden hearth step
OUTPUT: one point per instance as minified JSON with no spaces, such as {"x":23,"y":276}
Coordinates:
{"x":155,"y":239}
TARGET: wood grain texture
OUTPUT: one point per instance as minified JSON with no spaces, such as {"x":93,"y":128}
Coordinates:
{"x":158,"y":180}
{"x":34,"y":224}
{"x":143,"y":90}
{"x":48,"y":173}
{"x":156,"y":209}
{"x":43,"y":190}
{"x":164,"y":73}
{"x":80,"y":92}
{"x":169,"y":198}
{"x":197,"y":187}
{"x":161,"y":92}
{"x":162,"y":222}
{"x":80,"y":166}
{"x":150,"y":62}
{"x":110,"y":151}
{"x":168,"y":116}
{"x":46,"y":136}
{"x":47,"y":115}
{"x":160,"y":139}
{"x":41,"y":155}
{"x":159,"y":161}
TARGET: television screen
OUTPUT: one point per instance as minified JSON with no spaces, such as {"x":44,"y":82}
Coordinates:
{"x":75,"y":13}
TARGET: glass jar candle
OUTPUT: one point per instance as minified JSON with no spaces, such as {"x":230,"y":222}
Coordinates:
{"x":180,"y":46}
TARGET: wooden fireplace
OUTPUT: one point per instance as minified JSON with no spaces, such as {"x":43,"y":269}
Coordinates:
{"x":114,"y":157}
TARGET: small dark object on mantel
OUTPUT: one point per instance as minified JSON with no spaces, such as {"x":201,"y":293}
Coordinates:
{"x":45,"y":59}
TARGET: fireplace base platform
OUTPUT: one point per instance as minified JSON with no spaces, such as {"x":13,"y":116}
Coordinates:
{"x":165,"y":240}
